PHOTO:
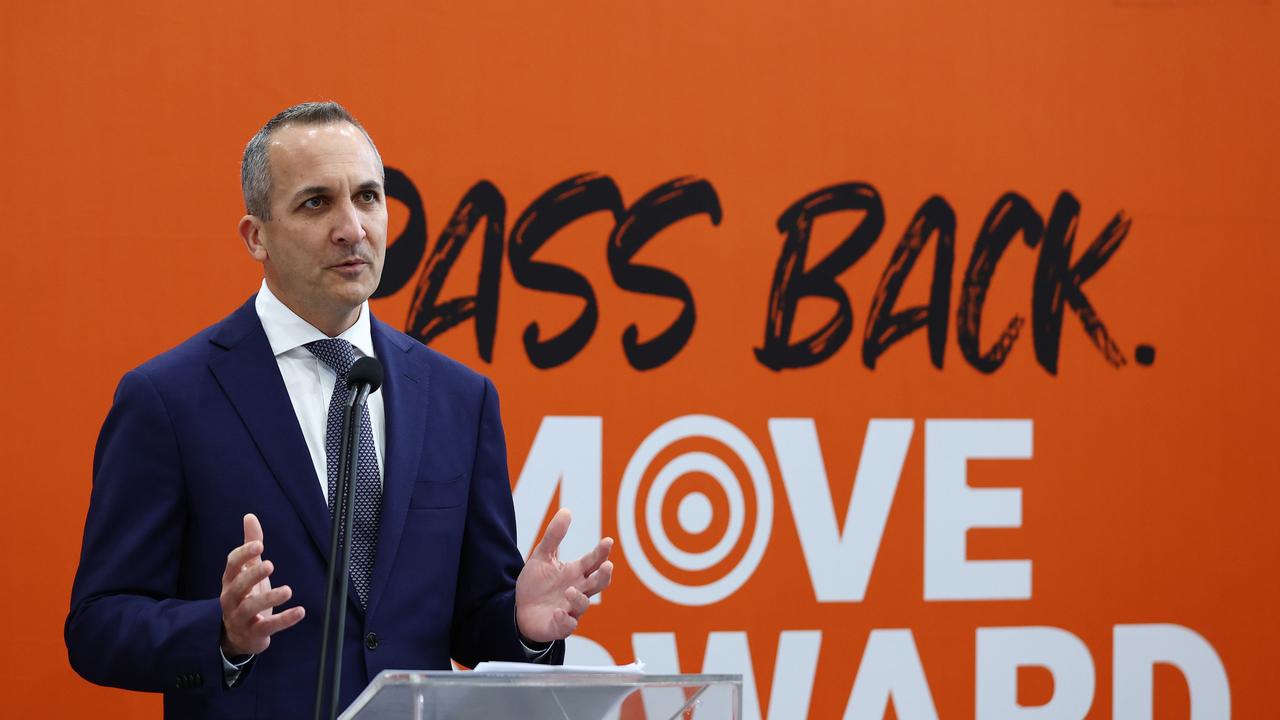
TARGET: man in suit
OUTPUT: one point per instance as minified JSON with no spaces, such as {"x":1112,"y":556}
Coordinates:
{"x":222,"y":453}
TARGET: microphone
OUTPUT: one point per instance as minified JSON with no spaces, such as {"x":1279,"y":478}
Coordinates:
{"x":364,"y":377}
{"x":365,"y":371}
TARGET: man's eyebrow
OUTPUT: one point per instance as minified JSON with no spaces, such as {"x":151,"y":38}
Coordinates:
{"x":310,"y":190}
{"x":369,"y":185}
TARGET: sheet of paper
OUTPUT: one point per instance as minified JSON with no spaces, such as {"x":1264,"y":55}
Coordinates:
{"x":635,"y":668}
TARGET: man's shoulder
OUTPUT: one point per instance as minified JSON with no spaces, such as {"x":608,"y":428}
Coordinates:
{"x":190,"y":358}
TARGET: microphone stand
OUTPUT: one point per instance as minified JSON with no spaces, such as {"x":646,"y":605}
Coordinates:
{"x":340,"y":567}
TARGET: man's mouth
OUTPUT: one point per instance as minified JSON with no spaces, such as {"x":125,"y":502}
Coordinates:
{"x":351,"y":263}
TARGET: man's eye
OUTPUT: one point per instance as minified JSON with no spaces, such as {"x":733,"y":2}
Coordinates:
{"x":313,"y":203}
{"x":369,"y":196}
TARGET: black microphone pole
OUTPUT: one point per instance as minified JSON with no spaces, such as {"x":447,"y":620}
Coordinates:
{"x":364,"y":377}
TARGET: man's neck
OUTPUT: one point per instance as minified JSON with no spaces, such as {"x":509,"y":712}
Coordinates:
{"x":331,"y":324}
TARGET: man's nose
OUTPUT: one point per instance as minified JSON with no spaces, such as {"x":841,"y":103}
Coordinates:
{"x":347,"y":228}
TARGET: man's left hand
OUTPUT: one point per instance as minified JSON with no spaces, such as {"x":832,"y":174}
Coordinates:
{"x":552,"y":595}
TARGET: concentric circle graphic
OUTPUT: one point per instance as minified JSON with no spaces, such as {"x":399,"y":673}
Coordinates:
{"x":715,"y":467}
{"x":698,"y":510}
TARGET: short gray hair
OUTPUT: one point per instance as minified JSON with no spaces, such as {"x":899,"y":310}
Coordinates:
{"x":255,"y":169}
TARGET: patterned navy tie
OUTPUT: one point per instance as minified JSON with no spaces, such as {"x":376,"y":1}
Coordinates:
{"x":339,"y":355}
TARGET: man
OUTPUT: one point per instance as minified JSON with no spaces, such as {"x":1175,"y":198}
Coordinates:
{"x":222,"y":453}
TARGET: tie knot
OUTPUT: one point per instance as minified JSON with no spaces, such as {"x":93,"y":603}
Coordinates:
{"x":334,"y":352}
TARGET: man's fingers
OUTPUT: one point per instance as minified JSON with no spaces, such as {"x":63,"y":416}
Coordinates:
{"x":248,"y":598}
{"x":280,"y":621}
{"x":257,"y":631}
{"x":578,"y":602}
{"x":248,"y":578}
{"x":556,"y":529}
{"x":565,"y":622}
{"x":252,"y":528}
{"x":255,"y":604}
{"x":592,"y":560}
{"x":237,"y":558}
{"x":598,"y":580}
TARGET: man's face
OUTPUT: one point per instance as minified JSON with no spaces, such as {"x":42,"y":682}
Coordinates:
{"x":323,"y":247}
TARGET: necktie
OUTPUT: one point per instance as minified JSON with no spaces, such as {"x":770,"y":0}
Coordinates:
{"x":339,"y":355}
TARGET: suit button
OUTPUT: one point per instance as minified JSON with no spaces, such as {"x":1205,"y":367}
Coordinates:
{"x":371,"y":641}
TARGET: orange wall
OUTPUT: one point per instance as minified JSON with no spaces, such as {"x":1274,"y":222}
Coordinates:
{"x":1150,"y":492}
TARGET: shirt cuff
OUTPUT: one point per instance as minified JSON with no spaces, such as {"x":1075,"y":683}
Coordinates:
{"x":231,"y":671}
{"x":534,"y":654}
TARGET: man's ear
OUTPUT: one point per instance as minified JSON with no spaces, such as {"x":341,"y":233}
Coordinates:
{"x":251,"y":232}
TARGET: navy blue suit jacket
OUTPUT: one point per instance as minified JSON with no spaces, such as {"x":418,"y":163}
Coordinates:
{"x":205,"y":433}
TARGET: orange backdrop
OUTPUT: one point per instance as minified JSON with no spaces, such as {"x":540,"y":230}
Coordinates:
{"x":1150,"y":491}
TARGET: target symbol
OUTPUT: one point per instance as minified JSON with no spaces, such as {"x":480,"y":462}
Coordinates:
{"x":695,"y":511}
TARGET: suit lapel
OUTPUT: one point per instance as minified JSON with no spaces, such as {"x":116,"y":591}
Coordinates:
{"x":249,"y":375}
{"x":404,"y":394}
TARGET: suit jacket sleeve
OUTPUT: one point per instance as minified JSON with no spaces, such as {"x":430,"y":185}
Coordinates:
{"x":484,"y":619}
{"x":128,"y":626}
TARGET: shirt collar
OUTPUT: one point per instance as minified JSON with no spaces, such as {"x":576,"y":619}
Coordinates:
{"x":286,"y":331}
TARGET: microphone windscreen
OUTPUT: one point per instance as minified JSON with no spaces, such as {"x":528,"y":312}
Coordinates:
{"x":366,"y":371}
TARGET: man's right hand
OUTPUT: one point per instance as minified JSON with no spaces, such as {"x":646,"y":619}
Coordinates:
{"x":248,"y":600}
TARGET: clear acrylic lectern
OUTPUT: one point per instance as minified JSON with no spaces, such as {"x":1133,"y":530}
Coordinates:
{"x":441,"y":694}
